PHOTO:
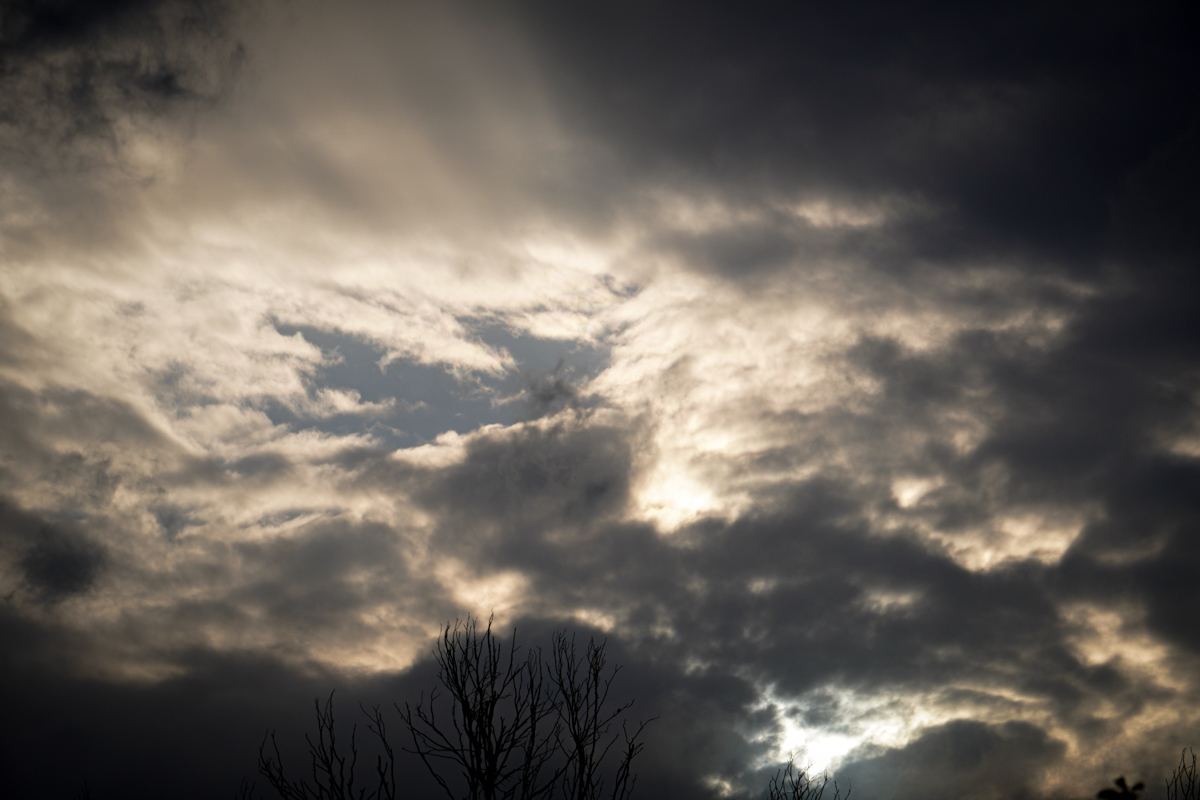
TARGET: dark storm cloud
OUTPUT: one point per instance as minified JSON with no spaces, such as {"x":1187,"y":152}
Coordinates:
{"x":191,"y":736}
{"x":230,"y":701}
{"x":1014,"y":122}
{"x":1086,"y":422}
{"x":261,"y":467}
{"x":73,"y":67}
{"x":1154,"y":214}
{"x":960,"y":759}
{"x":530,"y":484}
{"x":16,"y":343}
{"x":81,"y":478}
{"x":816,"y":563}
{"x":56,"y":558}
{"x":1049,"y":147}
{"x":62,"y":563}
{"x":742,"y":250}
{"x":327,"y":571}
{"x":549,"y":394}
{"x":173,"y":519}
{"x":1060,"y":434}
{"x":305,"y":588}
{"x":78,"y":82}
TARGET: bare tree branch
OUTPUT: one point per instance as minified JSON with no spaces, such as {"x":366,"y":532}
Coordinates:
{"x":793,"y":783}
{"x":581,"y":699}
{"x":516,"y":728}
{"x":332,"y":770}
{"x":1182,"y":784}
{"x":496,"y":735}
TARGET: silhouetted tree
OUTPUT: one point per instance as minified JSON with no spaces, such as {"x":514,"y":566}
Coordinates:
{"x":332,"y":769}
{"x":585,"y":721}
{"x":501,"y":732}
{"x":1182,"y":785}
{"x":792,"y":783}
{"x":515,"y":735}
{"x":516,"y":729}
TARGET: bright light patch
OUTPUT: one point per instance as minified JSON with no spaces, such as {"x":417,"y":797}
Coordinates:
{"x":595,"y":618}
{"x":883,"y":720}
{"x":1018,"y":537}
{"x":816,"y":751}
{"x":1102,"y":635}
{"x":909,"y":491}
{"x":720,"y":786}
{"x":672,"y":501}
{"x":885,"y":602}
{"x":762,"y":585}
{"x":1187,"y":446}
{"x":828,"y":214}
{"x":498,"y":594}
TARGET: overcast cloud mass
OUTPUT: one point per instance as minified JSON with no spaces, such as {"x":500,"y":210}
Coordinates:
{"x":840,"y":363}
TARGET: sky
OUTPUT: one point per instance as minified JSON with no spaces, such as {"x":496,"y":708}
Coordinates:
{"x":839,"y":363}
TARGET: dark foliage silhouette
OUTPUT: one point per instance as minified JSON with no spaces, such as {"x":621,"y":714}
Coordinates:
{"x":1125,"y":793}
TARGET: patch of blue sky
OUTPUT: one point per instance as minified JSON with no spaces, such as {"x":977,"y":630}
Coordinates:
{"x":431,"y":399}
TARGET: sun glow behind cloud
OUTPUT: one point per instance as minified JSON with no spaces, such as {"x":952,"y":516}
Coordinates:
{"x":878,"y":721}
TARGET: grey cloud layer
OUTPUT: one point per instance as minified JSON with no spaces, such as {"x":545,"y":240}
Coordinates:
{"x":839,"y":365}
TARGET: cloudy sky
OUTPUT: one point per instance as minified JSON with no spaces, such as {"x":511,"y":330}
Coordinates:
{"x":840,"y":363}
